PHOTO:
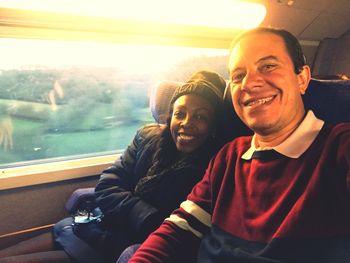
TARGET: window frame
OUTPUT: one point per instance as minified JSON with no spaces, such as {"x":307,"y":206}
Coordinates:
{"x":28,"y":175}
{"x":16,"y":23}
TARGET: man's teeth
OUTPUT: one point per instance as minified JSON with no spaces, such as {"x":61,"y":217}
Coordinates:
{"x":260,"y":101}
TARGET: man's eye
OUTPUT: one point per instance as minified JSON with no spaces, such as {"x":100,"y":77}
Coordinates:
{"x":268,"y":67}
{"x":236,"y":78}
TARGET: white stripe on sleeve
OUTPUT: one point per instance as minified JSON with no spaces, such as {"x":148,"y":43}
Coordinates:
{"x":196,"y":211}
{"x":183,"y":224}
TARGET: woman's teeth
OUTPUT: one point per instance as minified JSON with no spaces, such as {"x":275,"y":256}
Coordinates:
{"x":186,"y":137}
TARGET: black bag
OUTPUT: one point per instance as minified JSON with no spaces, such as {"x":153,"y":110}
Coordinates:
{"x":84,"y":237}
{"x":88,"y":226}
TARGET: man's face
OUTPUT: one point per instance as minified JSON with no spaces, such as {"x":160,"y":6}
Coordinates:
{"x":266,"y":92}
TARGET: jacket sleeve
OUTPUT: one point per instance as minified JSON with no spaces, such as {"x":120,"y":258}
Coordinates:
{"x":114,"y":191}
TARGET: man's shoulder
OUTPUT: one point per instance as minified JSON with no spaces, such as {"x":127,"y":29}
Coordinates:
{"x":343,"y":126}
{"x":335,"y":137}
{"x":239,"y":141}
{"x":340,"y":130}
{"x":236,"y":146}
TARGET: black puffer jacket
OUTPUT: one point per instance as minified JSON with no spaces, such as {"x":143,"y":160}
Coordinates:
{"x":129,"y":213}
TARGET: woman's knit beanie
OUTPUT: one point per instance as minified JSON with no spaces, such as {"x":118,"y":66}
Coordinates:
{"x":207,"y":84}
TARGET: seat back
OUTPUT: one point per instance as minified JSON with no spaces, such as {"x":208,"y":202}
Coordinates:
{"x":329,"y":100}
{"x":160,"y":97}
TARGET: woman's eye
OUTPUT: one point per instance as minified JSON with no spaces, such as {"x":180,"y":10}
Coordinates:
{"x":178,"y":114}
{"x":201,"y":117}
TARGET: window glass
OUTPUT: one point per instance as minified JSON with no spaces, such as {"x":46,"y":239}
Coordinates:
{"x":61,"y":99}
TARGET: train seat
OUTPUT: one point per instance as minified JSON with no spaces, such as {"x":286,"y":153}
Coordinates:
{"x":160,"y":97}
{"x":329,"y":99}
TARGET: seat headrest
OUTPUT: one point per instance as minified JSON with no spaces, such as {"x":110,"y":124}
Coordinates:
{"x":160,"y":97}
{"x":329,"y":100}
{"x":233,"y":125}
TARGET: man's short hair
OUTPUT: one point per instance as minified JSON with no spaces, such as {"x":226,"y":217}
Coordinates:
{"x":292,"y":44}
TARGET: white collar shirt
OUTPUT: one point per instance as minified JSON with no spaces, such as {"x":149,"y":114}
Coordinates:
{"x":297,"y":143}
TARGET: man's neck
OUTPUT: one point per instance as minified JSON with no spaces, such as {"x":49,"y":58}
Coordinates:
{"x":273,"y":139}
{"x":269,"y":141}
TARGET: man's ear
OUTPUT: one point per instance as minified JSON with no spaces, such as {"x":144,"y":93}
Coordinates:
{"x":304,"y":78}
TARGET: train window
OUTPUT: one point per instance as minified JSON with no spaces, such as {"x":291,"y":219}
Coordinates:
{"x":72,"y":99}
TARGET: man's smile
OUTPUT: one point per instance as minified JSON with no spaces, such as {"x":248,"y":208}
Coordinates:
{"x":253,"y":102}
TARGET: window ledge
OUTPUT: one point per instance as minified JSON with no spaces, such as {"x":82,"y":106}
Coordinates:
{"x":53,"y":171}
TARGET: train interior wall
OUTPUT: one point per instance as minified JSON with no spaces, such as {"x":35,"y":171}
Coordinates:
{"x":25,"y":210}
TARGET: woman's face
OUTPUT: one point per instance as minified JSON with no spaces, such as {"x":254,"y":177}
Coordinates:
{"x":192,"y":122}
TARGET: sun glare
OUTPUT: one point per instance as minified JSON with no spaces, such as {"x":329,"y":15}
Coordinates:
{"x":220,"y":13}
{"x":24,"y":54}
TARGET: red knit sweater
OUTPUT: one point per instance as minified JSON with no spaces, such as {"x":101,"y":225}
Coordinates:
{"x":269,"y":209}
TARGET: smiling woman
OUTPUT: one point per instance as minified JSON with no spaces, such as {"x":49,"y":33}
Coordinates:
{"x":154,"y":174}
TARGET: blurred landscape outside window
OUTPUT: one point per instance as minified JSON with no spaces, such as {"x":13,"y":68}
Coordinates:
{"x":66,"y":100}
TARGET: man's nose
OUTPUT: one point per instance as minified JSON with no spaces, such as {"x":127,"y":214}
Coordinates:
{"x":252,"y":80}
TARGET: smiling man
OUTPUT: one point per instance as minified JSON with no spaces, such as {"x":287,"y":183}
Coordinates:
{"x":266,"y":87}
{"x":281,"y":195}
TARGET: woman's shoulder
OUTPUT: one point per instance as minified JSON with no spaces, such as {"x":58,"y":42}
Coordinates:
{"x":151,"y":130}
